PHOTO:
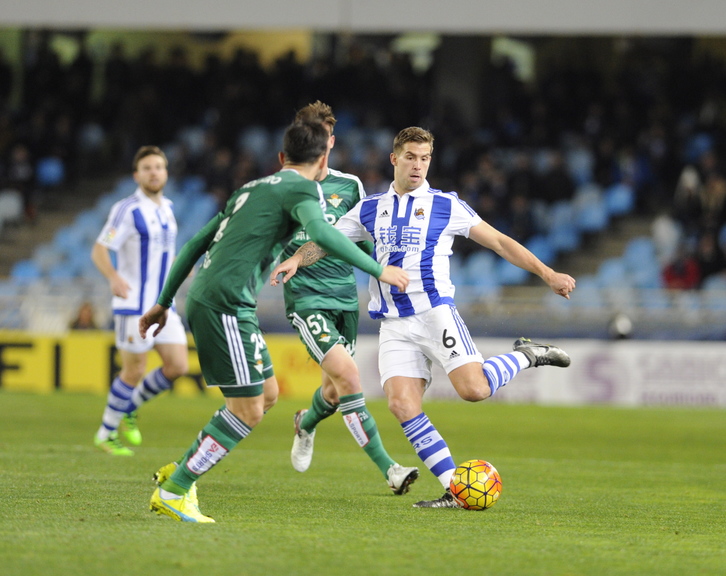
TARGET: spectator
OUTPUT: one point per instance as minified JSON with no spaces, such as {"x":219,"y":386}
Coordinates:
{"x":556,"y":184}
{"x":711,"y":259}
{"x":85,"y":319}
{"x":683,"y":273}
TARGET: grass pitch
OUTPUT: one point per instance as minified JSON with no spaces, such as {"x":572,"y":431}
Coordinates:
{"x":586,"y":491}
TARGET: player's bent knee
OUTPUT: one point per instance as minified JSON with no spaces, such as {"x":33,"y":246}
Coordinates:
{"x":176,"y":370}
{"x":474,"y":393}
{"x":402,"y":409}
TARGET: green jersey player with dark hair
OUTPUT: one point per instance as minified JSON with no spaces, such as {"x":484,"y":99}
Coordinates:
{"x":322,"y":305}
{"x":222,"y":303}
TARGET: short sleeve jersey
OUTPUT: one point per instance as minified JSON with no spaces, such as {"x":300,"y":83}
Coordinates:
{"x":257,"y":217}
{"x":415,"y":232}
{"x":143,"y":235}
{"x":330,"y":283}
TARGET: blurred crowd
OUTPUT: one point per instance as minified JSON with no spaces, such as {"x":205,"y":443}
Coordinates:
{"x":654,"y":118}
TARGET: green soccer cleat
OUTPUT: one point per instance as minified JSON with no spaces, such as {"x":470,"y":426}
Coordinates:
{"x":165,"y":472}
{"x":131,"y":429}
{"x":180,"y":509}
{"x":112,"y":445}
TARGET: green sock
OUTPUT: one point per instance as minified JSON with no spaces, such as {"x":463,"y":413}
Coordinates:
{"x":223,"y":432}
{"x":318,"y":411}
{"x":363,"y":427}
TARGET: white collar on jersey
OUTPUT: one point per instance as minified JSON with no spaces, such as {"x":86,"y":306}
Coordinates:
{"x":420,"y":191}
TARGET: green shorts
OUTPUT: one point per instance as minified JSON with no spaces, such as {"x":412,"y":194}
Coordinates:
{"x":232,"y":352}
{"x":320,"y":330}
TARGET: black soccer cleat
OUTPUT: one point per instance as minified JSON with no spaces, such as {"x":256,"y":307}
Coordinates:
{"x":446,"y":501}
{"x":542,"y":354}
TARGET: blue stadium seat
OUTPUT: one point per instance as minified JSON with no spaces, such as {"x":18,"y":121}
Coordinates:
{"x":510,"y":275}
{"x":25,"y":272}
{"x":589,"y":209}
{"x":50,"y":172}
{"x":192,"y":185}
{"x":479,"y":268}
{"x":654,"y":299}
{"x":620,"y":199}
{"x":541,"y":247}
{"x":613,"y":273}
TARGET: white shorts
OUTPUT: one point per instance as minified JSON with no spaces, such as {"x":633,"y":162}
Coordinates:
{"x":129,"y":339}
{"x":407,"y":346}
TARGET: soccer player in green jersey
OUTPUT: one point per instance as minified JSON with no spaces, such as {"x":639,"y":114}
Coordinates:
{"x":321,"y":303}
{"x":222,"y":302}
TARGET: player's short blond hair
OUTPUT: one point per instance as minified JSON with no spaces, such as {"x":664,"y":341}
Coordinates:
{"x":316,"y":112}
{"x":412,"y":134}
{"x":145,"y":151}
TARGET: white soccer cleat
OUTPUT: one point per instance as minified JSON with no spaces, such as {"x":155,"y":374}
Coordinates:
{"x":302,"y":445}
{"x":400,"y":478}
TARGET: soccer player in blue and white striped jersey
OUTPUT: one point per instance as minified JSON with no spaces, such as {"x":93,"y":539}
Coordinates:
{"x":413,"y":226}
{"x":141,"y":229}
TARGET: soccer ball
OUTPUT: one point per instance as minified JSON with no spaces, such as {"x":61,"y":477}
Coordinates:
{"x":476,"y":485}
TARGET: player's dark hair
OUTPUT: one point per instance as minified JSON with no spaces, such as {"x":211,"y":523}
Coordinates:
{"x":316,"y":112}
{"x":412,"y":134}
{"x":305,"y":142}
{"x":145,"y":151}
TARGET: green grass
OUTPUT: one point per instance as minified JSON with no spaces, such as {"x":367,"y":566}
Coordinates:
{"x":585,"y":491}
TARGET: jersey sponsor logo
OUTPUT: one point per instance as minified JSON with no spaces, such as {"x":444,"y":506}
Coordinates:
{"x":335,"y":200}
{"x":454,"y":354}
{"x":259,"y":367}
{"x":352,"y":421}
{"x":419,"y":213}
{"x":207,"y":455}
{"x":302,"y":235}
{"x":324,"y":337}
{"x":383,"y":214}
{"x":407,"y":240}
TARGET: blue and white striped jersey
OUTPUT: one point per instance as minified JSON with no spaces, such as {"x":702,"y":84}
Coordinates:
{"x":415,"y":232}
{"x":143,"y":235}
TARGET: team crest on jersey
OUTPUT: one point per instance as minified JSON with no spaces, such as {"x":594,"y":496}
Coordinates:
{"x":419,"y":213}
{"x":110,"y":235}
{"x":335,"y":200}
{"x":324,"y":337}
{"x":258,"y":366}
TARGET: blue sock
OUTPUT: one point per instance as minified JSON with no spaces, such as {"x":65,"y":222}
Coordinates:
{"x":154,"y":384}
{"x":501,"y":369}
{"x":430,"y":447}
{"x":117,"y":403}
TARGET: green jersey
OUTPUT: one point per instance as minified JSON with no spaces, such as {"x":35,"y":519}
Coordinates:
{"x":329,"y":284}
{"x":239,"y":243}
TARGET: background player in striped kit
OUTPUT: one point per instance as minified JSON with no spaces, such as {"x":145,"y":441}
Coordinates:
{"x":141,"y":229}
{"x":413,"y":226}
{"x":321,"y":303}
{"x":222,"y":303}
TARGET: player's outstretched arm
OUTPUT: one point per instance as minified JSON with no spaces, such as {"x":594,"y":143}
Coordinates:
{"x":512,"y":251}
{"x":308,"y":254}
{"x":157,"y":314}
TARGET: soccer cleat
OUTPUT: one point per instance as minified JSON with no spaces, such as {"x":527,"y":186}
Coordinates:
{"x":112,"y":445}
{"x":131,"y":429}
{"x":302,"y":445}
{"x":180,"y":509}
{"x":165,"y":472}
{"x":542,"y":354}
{"x":400,"y":478}
{"x":446,"y":501}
